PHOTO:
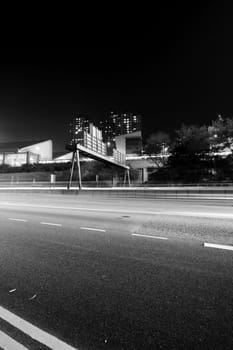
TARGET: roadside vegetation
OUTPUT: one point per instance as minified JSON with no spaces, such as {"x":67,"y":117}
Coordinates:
{"x":196,"y":154}
{"x":193,"y":155}
{"x":93,"y":172}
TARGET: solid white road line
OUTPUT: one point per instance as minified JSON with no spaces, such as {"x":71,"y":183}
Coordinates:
{"x":218,"y":246}
{"x":8,"y":343}
{"x":49,"y":223}
{"x":14,"y":219}
{"x":92,"y":229}
{"x":147,"y":236}
{"x":32,"y":331}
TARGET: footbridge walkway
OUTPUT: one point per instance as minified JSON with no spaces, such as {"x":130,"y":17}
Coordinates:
{"x":90,"y":146}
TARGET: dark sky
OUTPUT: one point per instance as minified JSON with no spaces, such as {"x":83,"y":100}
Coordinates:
{"x":172,"y":66}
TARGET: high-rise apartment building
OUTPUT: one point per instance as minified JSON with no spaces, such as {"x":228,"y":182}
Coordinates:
{"x":119,"y":124}
{"x":108,"y":129}
{"x":78,"y":124}
{"x":113,"y":126}
{"x":126,"y":123}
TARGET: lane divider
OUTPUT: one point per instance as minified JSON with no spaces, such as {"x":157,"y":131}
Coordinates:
{"x":50,"y":223}
{"x":32,"y":331}
{"x":92,"y":229}
{"x":12,"y":290}
{"x":148,"y":236}
{"x":206,"y":245}
{"x":218,"y":246}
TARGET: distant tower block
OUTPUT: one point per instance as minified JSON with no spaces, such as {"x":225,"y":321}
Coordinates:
{"x":78,"y":125}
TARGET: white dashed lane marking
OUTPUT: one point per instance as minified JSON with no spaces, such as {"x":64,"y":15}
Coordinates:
{"x":50,"y":223}
{"x":15,"y":219}
{"x":218,"y":246}
{"x":147,"y":236}
{"x":92,"y":229}
{"x":12,"y":290}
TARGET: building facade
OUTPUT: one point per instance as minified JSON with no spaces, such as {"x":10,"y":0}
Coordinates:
{"x":25,"y":152}
{"x":77,"y":126}
{"x":129,"y":144}
{"x":126,"y":123}
{"x":120,"y":124}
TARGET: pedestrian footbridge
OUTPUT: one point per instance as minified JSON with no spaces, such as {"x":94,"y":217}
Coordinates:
{"x":90,"y":146}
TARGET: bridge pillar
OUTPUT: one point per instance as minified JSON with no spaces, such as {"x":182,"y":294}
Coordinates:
{"x":128,"y":175}
{"x":144,"y":175}
{"x":75,"y":156}
{"x":72,"y":170}
{"x":79,"y":170}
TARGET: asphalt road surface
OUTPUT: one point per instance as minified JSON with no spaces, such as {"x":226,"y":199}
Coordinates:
{"x":102,"y":273}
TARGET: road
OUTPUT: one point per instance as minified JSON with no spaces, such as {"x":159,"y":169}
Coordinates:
{"x":105,"y":273}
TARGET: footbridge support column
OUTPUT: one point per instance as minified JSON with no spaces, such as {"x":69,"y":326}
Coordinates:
{"x":75,"y":157}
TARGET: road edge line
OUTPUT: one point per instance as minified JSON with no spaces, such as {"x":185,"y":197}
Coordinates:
{"x":9,"y":343}
{"x":34,"y":332}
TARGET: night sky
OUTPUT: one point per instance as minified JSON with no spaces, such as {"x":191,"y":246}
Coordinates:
{"x":174,"y":66}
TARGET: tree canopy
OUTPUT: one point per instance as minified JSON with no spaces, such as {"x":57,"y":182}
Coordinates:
{"x":196,"y":153}
{"x":157,"y":146}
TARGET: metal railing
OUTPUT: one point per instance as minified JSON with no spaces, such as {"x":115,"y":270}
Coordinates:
{"x":94,"y":144}
{"x":118,"y":156}
{"x":62,"y":184}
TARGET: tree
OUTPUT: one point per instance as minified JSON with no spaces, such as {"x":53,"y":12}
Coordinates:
{"x":221,"y":134}
{"x":157,"y":146}
{"x":221,"y":145}
{"x":189,"y":160}
{"x":193,"y":139}
{"x":198,"y":153}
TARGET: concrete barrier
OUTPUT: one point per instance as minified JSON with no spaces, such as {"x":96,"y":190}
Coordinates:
{"x":158,"y":192}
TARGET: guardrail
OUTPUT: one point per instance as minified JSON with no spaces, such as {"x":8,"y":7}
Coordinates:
{"x":179,"y":184}
{"x":58,"y":184}
{"x":113,"y":184}
{"x":91,"y":188}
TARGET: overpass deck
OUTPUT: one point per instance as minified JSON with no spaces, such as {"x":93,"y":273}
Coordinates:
{"x":97,"y":156}
{"x":80,"y":149}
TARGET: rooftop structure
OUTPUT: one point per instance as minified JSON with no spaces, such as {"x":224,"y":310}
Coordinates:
{"x":130,"y":144}
{"x":25,"y":152}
